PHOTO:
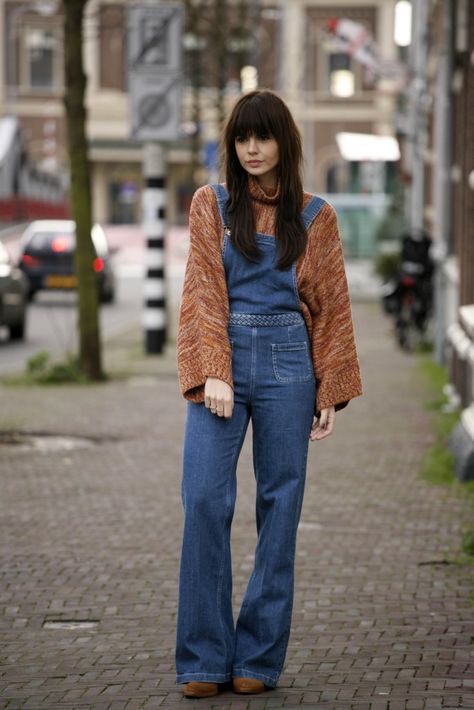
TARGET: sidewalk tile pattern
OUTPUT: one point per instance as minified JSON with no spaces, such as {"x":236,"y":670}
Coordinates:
{"x":382,"y":618}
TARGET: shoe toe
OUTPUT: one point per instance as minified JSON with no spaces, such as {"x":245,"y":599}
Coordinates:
{"x":200,"y":689}
{"x":248,"y":685}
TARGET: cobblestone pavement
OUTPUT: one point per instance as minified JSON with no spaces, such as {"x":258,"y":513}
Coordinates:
{"x":92,"y":534}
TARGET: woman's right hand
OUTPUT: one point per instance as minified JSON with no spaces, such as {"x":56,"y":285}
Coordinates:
{"x":219,"y":397}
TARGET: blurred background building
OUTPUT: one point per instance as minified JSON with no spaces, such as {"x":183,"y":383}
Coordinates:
{"x":289,"y":48}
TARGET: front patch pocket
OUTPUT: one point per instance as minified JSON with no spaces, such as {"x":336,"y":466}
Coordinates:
{"x":291,"y":362}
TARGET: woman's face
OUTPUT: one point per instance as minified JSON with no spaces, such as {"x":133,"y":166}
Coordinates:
{"x":259,"y":156}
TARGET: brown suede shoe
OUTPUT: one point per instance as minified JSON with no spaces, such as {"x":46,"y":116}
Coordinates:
{"x":199,"y":689}
{"x":247,"y":685}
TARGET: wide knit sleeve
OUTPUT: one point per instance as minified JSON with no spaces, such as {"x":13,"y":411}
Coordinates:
{"x":203,"y":348}
{"x":325,"y":295}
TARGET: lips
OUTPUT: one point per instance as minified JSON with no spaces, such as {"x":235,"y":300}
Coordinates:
{"x":254,"y":163}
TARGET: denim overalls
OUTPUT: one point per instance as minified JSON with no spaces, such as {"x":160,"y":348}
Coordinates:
{"x":274,"y":384}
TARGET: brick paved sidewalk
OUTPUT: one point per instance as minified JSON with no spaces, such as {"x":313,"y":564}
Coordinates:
{"x":93,"y":534}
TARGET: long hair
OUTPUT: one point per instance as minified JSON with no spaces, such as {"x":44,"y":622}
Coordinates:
{"x":263,"y":113}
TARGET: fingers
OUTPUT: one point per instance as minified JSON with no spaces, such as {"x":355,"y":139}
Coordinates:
{"x":218,"y":397}
{"x":323,"y":426}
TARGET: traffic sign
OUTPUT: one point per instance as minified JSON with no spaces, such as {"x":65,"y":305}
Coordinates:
{"x":156,"y":107}
{"x":155,"y":70}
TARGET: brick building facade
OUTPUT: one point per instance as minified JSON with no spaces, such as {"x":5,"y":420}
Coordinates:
{"x":282,"y":38}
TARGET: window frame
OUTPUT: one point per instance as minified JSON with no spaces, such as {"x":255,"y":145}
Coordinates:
{"x":53,"y":26}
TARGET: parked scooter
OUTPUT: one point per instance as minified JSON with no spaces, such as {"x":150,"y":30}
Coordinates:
{"x":409,"y":296}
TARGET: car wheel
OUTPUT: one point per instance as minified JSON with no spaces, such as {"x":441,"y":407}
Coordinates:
{"x":17,"y":331}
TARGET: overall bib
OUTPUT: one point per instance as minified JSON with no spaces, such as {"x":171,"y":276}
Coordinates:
{"x":274,"y":384}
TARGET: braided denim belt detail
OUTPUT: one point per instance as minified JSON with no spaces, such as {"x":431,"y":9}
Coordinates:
{"x":256,"y":319}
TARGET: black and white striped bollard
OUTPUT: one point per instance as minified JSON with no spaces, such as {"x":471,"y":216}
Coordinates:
{"x":154,"y":224}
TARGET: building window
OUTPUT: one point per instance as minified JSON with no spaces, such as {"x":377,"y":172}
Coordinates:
{"x":41,"y":46}
{"x":112,"y":47}
{"x":341,"y":76}
{"x":329,"y":72}
{"x":40,"y":67}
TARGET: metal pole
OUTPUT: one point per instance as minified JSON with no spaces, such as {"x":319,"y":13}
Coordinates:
{"x":154,"y":224}
{"x":417,"y":112}
{"x":442,"y":190}
{"x":292,"y":67}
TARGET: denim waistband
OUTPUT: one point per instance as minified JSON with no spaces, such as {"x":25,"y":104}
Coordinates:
{"x":264,"y":319}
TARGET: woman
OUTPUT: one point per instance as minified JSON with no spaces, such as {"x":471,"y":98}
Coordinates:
{"x":265,"y":331}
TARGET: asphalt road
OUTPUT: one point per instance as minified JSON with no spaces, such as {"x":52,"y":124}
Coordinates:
{"x":52,"y":316}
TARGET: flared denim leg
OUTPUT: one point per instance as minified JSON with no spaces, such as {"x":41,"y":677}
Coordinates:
{"x":205,"y":626}
{"x":281,"y":423}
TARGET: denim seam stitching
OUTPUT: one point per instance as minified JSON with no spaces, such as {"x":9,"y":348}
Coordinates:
{"x":262,"y":675}
{"x":221,"y":568}
{"x":224,"y":244}
{"x":221,"y":199}
{"x":228,"y":503}
{"x":267,"y":236}
{"x":312,"y":210}
{"x":219,"y":675}
{"x":295,"y":286}
{"x":285,"y":348}
{"x":253,"y":363}
{"x":281,"y":658}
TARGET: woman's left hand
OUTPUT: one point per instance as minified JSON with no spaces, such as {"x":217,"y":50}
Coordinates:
{"x":323,"y":426}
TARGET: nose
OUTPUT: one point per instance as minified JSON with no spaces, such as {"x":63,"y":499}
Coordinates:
{"x":252,"y":147}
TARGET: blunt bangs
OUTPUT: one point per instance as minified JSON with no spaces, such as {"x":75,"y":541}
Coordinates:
{"x":256,"y":117}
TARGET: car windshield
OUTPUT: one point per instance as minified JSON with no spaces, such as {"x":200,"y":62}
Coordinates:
{"x":65,"y":241}
{"x":52,"y":241}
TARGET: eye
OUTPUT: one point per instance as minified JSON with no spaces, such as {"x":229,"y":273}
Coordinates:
{"x":264,"y":137}
{"x":240,"y":139}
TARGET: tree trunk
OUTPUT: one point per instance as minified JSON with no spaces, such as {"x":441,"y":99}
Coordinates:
{"x":81,"y":198}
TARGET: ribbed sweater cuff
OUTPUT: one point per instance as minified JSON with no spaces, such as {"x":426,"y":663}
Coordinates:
{"x":336,"y":390}
{"x":192,"y":382}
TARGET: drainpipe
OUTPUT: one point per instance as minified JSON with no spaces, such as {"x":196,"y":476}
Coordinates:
{"x":442,"y":190}
{"x":417,"y":111}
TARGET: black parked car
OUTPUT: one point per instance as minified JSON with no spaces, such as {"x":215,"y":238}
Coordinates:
{"x":13,"y":296}
{"x":47,"y":258}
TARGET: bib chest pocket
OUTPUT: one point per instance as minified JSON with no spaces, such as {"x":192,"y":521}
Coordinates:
{"x":291,"y":362}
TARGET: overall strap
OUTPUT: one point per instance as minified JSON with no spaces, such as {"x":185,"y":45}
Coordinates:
{"x":312,"y":210}
{"x":222,"y":196}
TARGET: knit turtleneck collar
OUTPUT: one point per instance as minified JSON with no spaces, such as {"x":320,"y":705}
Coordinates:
{"x":258,"y":193}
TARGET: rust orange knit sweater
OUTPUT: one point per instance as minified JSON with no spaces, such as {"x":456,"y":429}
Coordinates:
{"x":203,"y":348}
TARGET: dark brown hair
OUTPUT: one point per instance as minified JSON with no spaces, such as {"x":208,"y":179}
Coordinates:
{"x":263,"y":113}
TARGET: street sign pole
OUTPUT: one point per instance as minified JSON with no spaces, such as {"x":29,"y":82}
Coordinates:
{"x":155,"y":79}
{"x":154,"y":222}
